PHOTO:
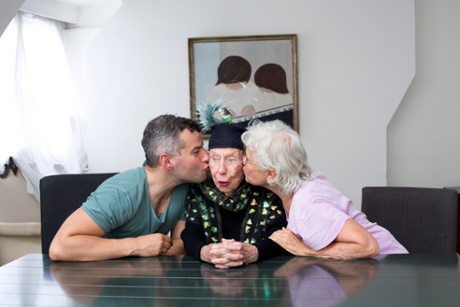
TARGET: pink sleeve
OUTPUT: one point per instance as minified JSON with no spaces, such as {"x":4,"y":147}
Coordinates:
{"x":318,"y":224}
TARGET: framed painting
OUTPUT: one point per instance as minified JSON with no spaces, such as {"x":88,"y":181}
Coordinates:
{"x":241,"y":78}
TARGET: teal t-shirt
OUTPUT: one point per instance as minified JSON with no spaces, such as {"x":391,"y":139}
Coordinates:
{"x":121,"y":206}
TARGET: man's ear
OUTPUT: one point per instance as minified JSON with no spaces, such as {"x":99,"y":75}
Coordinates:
{"x":165,"y":161}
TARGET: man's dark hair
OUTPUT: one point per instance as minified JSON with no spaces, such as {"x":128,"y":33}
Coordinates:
{"x":161,"y":135}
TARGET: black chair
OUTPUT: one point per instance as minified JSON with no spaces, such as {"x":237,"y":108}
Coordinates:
{"x":60,"y":196}
{"x":424,"y":220}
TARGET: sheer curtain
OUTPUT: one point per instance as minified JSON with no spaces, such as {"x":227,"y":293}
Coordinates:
{"x":41,"y":126}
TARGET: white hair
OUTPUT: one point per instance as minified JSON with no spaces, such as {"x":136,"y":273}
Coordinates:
{"x":276,"y":145}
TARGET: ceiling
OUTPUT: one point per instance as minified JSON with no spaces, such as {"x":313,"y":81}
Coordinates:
{"x":86,"y":2}
{"x":75,"y":13}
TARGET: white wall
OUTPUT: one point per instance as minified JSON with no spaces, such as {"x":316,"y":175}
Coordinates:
{"x":356,"y":60}
{"x":424,"y":135}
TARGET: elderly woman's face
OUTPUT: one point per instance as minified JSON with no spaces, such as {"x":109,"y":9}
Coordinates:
{"x":226,"y":166}
{"x":254,"y":175}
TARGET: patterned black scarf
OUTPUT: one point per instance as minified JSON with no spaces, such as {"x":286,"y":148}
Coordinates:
{"x":205,"y":199}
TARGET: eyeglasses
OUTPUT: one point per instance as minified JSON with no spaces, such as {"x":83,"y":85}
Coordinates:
{"x":246,"y":161}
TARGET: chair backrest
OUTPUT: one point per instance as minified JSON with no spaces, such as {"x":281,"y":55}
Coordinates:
{"x":60,"y":196}
{"x":424,"y":220}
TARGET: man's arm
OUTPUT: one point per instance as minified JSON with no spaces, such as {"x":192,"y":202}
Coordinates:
{"x":80,"y":239}
{"x":352,"y":242}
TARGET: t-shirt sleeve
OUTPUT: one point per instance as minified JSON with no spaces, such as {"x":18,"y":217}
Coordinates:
{"x":109,"y":208}
{"x":317,"y":223}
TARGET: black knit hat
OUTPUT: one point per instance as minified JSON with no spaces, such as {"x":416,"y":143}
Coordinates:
{"x":226,"y":136}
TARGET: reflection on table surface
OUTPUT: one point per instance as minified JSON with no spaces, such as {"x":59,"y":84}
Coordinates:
{"x":402,"y":280}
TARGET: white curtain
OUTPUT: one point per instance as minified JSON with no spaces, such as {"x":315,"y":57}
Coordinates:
{"x":41,"y":126}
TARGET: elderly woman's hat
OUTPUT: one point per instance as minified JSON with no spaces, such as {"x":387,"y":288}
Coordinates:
{"x":226,"y":136}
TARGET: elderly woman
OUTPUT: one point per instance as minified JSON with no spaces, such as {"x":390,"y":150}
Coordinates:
{"x":322,"y":222}
{"x":229,"y":221}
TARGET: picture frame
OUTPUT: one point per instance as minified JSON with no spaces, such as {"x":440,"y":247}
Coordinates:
{"x":242,"y":78}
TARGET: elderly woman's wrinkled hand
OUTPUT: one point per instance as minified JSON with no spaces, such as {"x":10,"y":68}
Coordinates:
{"x":290,"y":242}
{"x":229,"y":253}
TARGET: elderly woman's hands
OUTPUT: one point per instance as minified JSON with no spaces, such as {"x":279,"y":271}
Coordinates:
{"x":353,"y":242}
{"x":229,"y":253}
{"x":290,"y":242}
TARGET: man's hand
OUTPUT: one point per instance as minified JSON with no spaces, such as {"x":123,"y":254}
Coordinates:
{"x":155,"y":244}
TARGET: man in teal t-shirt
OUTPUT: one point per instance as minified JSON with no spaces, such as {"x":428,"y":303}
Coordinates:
{"x":132,"y":213}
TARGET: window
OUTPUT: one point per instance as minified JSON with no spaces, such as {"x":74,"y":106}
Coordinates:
{"x":41,"y":125}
